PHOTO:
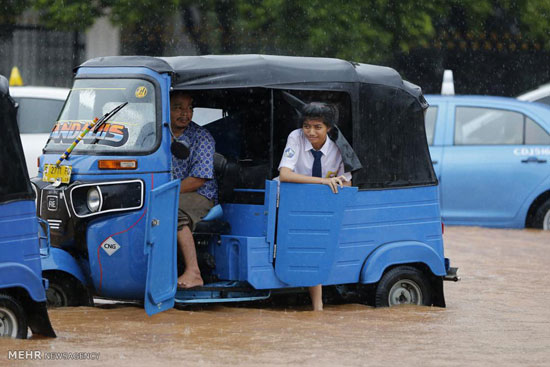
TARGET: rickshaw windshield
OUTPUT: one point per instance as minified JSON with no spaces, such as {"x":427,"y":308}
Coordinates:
{"x":132,"y":129}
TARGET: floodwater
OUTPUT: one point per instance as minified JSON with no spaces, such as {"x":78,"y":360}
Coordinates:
{"x":497,"y":315}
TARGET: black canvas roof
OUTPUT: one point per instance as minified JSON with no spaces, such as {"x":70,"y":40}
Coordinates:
{"x":15,"y":184}
{"x":4,"y":86}
{"x":235,"y":71}
{"x":388,"y":133}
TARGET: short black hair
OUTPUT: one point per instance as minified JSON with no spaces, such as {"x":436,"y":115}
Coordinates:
{"x":181,"y":93}
{"x":317,"y":110}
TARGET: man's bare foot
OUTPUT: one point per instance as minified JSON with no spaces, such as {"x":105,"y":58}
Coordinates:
{"x":190,"y":280}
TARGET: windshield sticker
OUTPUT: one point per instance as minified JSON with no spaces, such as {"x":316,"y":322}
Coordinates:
{"x":532,"y":151}
{"x":111,"y":134}
{"x":141,"y":92}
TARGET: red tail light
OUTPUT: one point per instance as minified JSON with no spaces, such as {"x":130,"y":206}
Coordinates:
{"x":442,"y":228}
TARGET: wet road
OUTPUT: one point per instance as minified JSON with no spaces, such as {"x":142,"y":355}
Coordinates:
{"x":498,"y":315}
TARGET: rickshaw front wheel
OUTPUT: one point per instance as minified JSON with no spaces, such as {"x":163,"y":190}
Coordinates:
{"x":63,"y":290}
{"x":56,"y":296}
{"x":403,"y":285}
{"x":13,"y":320}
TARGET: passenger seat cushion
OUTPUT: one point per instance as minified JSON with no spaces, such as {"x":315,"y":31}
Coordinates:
{"x":192,"y":207}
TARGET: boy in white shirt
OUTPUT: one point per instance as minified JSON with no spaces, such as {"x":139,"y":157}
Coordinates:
{"x":311,"y":157}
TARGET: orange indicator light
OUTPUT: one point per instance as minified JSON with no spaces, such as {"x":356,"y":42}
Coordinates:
{"x":117,"y":164}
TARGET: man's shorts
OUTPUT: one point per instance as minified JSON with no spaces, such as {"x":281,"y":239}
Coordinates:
{"x":192,"y":208}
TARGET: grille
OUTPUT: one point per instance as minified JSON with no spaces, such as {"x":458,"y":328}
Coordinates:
{"x":54,"y":223}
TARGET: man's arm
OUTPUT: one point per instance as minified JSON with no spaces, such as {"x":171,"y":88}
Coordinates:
{"x":191,"y":184}
{"x":201,"y":161}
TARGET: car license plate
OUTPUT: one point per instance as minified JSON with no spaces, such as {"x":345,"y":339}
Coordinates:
{"x":53,"y":173}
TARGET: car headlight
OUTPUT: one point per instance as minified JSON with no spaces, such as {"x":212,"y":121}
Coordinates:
{"x":35,"y":195}
{"x":93,"y":199}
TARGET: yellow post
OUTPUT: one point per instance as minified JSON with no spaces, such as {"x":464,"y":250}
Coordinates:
{"x":15,"y":77}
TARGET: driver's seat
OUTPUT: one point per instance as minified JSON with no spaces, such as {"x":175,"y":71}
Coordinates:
{"x":227,"y":175}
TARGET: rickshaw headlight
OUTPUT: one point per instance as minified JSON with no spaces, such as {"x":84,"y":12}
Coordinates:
{"x":93,"y":199}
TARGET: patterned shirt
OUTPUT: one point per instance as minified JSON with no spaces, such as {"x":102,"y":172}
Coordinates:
{"x":200,"y":163}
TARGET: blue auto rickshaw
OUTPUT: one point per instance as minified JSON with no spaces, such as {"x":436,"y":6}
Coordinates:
{"x":22,"y":295}
{"x":111,"y":204}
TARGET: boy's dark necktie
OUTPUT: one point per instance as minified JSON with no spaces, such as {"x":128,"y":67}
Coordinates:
{"x":316,"y":169}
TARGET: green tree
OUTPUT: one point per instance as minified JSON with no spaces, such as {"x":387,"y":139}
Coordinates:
{"x":144,"y":21}
{"x":365,"y":30}
{"x":68,"y":14}
{"x":10,"y":10}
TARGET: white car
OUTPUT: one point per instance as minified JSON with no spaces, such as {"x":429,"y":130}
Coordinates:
{"x":38,"y":111}
{"x":541,"y":95}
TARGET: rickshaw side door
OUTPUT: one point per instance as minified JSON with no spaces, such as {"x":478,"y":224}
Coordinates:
{"x":308,"y":228}
{"x":160,"y":248}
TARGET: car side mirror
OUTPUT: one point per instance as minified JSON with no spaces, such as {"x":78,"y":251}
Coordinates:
{"x":179,"y":150}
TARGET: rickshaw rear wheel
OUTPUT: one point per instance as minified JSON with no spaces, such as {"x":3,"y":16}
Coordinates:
{"x":403,"y":285}
{"x":13,"y":320}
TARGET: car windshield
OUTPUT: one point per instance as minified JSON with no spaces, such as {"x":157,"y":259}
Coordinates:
{"x":132,"y":129}
{"x":37,"y":115}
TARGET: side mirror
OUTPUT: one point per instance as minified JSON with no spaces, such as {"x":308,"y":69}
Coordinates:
{"x":179,"y":150}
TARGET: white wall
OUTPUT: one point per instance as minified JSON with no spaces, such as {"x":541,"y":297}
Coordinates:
{"x":102,"y":39}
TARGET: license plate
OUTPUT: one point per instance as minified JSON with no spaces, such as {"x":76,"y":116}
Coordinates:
{"x":53,"y":173}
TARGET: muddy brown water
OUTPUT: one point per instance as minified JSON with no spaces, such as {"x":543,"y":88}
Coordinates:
{"x":497,"y":315}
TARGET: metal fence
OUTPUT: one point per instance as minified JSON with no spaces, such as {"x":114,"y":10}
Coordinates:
{"x":501,"y":66}
{"x":44,"y":57}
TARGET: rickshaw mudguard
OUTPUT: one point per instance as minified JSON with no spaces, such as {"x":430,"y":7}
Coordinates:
{"x":160,"y":248}
{"x":19,"y":248}
{"x":401,"y":252}
{"x":39,"y":321}
{"x":61,"y":260}
{"x":308,"y":228}
{"x":15,"y":275}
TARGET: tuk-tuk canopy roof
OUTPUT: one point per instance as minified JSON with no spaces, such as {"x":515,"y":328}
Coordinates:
{"x":389,"y":138}
{"x":15,"y":184}
{"x":4,"y":86}
{"x":237,"y":71}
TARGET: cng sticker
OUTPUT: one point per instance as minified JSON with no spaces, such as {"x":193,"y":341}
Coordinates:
{"x":110,"y":246}
{"x":141,"y":92}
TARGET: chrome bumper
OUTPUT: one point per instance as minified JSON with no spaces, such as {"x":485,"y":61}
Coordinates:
{"x":452,"y":275}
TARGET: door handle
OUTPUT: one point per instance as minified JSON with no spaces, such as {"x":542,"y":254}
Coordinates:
{"x":434,"y":162}
{"x":533,"y":160}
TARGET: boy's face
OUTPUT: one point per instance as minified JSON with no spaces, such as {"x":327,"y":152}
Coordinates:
{"x":315,"y":131}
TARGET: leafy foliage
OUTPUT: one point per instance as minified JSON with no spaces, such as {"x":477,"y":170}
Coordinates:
{"x":68,"y":14}
{"x":10,"y":9}
{"x":367,"y":30}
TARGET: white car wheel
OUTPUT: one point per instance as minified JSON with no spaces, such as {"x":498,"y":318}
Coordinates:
{"x":546,"y":221}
